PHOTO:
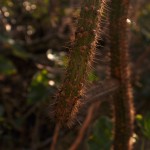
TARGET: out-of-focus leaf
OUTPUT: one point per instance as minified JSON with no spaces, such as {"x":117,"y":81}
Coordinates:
{"x":17,"y":51}
{"x":144,"y":124}
{"x":92,"y":77}
{"x":60,"y":59}
{"x":6,"y":66}
{"x":15,"y":48}
{"x":144,"y":22}
{"x":101,"y":136}
{"x":64,"y":59}
{"x":39,"y":89}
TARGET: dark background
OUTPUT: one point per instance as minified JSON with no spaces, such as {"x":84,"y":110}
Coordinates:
{"x":34,"y":46}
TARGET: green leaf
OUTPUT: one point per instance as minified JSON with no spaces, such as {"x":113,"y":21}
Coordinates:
{"x":17,"y":51}
{"x":101,"y":136}
{"x":144,"y":123}
{"x":39,"y":89}
{"x":6,"y":66}
{"x":15,"y":48}
{"x":92,"y":77}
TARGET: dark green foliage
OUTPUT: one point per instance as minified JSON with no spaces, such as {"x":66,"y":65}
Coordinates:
{"x":6,"y":66}
{"x":101,"y":136}
{"x":144,"y":124}
{"x":144,"y":28}
{"x":39,"y":89}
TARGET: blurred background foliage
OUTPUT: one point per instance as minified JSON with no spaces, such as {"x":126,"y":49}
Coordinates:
{"x":34,"y":46}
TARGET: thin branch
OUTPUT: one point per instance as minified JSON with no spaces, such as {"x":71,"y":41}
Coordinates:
{"x":101,"y":90}
{"x":84,"y":128}
{"x":55,"y":137}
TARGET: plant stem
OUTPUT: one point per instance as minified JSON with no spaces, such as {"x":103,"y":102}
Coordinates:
{"x":81,"y":58}
{"x":123,"y":101}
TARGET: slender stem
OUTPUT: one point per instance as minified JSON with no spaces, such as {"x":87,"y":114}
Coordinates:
{"x":85,"y":126}
{"x":55,"y":137}
{"x":123,"y":102}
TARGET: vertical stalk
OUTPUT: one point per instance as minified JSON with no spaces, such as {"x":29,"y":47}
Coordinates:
{"x":123,"y":101}
{"x":81,"y":57}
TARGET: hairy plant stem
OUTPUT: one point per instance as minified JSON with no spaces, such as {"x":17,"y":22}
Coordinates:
{"x":123,"y":101}
{"x":81,"y":57}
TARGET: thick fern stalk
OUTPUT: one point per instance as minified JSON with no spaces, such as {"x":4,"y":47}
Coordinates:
{"x":123,"y":101}
{"x":81,"y":57}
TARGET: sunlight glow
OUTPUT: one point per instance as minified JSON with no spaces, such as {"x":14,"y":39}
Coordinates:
{"x":51,"y":83}
{"x":6,"y":14}
{"x":133,"y":139}
{"x":4,"y":9}
{"x":128,"y":21}
{"x":50,"y":55}
{"x":11,"y":41}
{"x":8,"y":27}
{"x":30,"y":30}
{"x":28,"y":6}
{"x":33,"y":6}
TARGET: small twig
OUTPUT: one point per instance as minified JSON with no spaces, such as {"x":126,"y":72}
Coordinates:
{"x":30,"y":111}
{"x":84,"y":128}
{"x":101,"y":94}
{"x":44,"y":143}
{"x":101,"y":90}
{"x":55,"y":137}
